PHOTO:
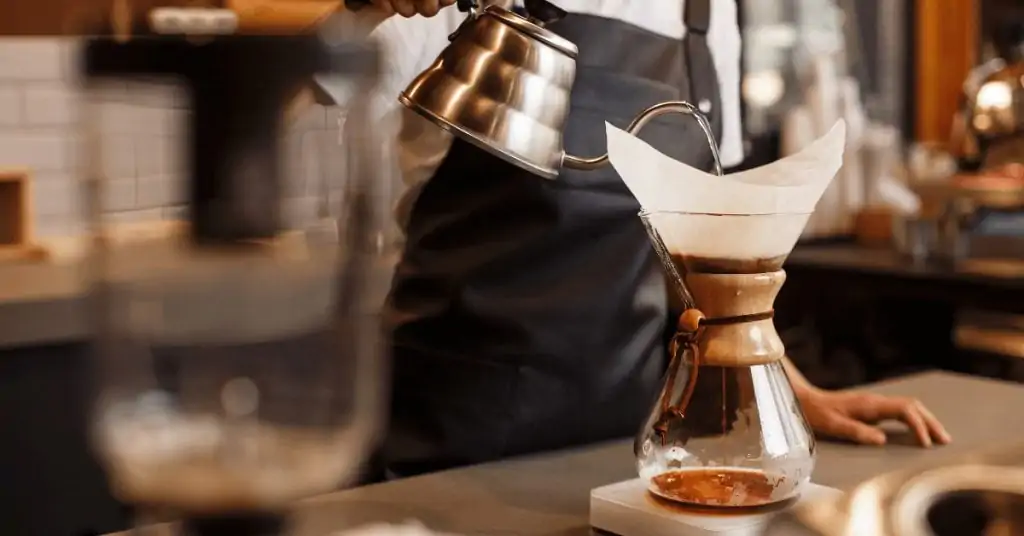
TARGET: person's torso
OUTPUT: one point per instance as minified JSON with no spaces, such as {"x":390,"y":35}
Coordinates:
{"x":529,"y":314}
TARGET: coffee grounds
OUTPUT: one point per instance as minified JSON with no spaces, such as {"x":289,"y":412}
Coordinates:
{"x":718,"y":487}
{"x":712,"y":265}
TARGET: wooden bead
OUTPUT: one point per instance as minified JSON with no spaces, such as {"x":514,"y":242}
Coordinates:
{"x":689,"y":321}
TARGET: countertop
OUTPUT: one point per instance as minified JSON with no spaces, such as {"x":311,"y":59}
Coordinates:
{"x":1005,"y":274}
{"x":990,"y":284}
{"x":43,"y":302}
{"x":548,"y":495}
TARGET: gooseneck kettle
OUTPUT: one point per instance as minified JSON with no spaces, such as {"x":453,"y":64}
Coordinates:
{"x":504,"y":84}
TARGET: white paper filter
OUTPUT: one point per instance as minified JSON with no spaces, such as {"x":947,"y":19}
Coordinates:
{"x":775,"y":200}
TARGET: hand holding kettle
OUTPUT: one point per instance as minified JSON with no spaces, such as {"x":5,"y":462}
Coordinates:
{"x":409,"y":8}
{"x":426,"y":8}
{"x":292,"y":16}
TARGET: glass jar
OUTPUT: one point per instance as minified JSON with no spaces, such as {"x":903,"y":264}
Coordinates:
{"x":239,"y":355}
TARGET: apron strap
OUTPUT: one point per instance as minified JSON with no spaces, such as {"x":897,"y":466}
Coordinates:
{"x":697,"y":16}
{"x":702,"y":79}
{"x":703,"y":87}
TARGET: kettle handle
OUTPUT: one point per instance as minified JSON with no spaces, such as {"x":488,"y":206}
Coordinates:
{"x":681,"y":107}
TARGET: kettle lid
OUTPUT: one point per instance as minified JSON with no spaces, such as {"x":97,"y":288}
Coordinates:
{"x":533,"y":29}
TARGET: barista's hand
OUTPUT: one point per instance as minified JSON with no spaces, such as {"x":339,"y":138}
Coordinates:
{"x":409,"y":8}
{"x":852,"y":415}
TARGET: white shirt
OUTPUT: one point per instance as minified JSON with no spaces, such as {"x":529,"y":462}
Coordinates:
{"x":410,"y":45}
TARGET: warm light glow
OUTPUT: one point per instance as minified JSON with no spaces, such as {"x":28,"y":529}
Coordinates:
{"x":982,"y":122}
{"x":865,"y":516}
{"x":763,"y":89}
{"x":995,"y":95}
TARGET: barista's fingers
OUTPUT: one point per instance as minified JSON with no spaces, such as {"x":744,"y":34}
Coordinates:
{"x":428,"y":8}
{"x":843,"y":427}
{"x":938,"y":432}
{"x":913,"y":418}
{"x":906,"y":410}
{"x":384,"y":6}
{"x":405,"y":8}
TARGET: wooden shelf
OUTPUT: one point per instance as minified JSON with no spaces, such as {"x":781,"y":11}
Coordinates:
{"x":17,"y":237}
{"x":15,"y":207}
{"x":76,"y":17}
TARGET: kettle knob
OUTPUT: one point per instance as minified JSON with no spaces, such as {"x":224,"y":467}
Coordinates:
{"x":467,"y":6}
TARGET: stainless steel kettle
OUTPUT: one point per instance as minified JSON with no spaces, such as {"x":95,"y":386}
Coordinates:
{"x":504,"y":84}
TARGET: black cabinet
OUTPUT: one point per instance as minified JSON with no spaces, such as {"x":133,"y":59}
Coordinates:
{"x":50,"y":483}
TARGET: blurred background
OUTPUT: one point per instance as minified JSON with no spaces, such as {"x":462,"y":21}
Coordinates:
{"x":914,"y":259}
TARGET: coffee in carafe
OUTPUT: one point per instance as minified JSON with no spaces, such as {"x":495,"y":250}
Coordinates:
{"x":716,"y":487}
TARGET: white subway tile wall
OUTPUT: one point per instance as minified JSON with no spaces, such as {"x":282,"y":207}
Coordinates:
{"x":141,"y":128}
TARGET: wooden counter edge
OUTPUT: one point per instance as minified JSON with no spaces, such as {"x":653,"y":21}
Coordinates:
{"x":43,"y":302}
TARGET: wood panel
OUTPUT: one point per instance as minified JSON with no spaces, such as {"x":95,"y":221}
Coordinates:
{"x":281,"y":15}
{"x":946,"y":49}
{"x":62,"y":17}
{"x":73,"y":17}
{"x":16,"y":216}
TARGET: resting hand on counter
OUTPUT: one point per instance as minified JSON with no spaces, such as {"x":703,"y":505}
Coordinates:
{"x":853,"y":415}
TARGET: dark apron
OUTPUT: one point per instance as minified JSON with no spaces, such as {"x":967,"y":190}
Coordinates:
{"x":528,"y":314}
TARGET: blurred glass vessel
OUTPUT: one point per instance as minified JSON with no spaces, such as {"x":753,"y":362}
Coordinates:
{"x":726,"y":430}
{"x":981,"y":494}
{"x":239,"y":355}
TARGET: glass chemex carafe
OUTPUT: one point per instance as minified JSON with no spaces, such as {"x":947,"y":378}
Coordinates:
{"x":239,"y":354}
{"x":726,"y":430}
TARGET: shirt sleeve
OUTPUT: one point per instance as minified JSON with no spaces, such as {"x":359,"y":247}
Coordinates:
{"x":408,"y":46}
{"x":724,"y":40}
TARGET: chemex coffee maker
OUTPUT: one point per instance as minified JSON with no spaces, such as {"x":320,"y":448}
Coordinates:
{"x":726,"y":430}
{"x":726,"y":444}
{"x":238,"y":356}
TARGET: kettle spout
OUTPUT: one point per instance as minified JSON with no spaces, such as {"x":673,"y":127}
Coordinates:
{"x":543,"y":12}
